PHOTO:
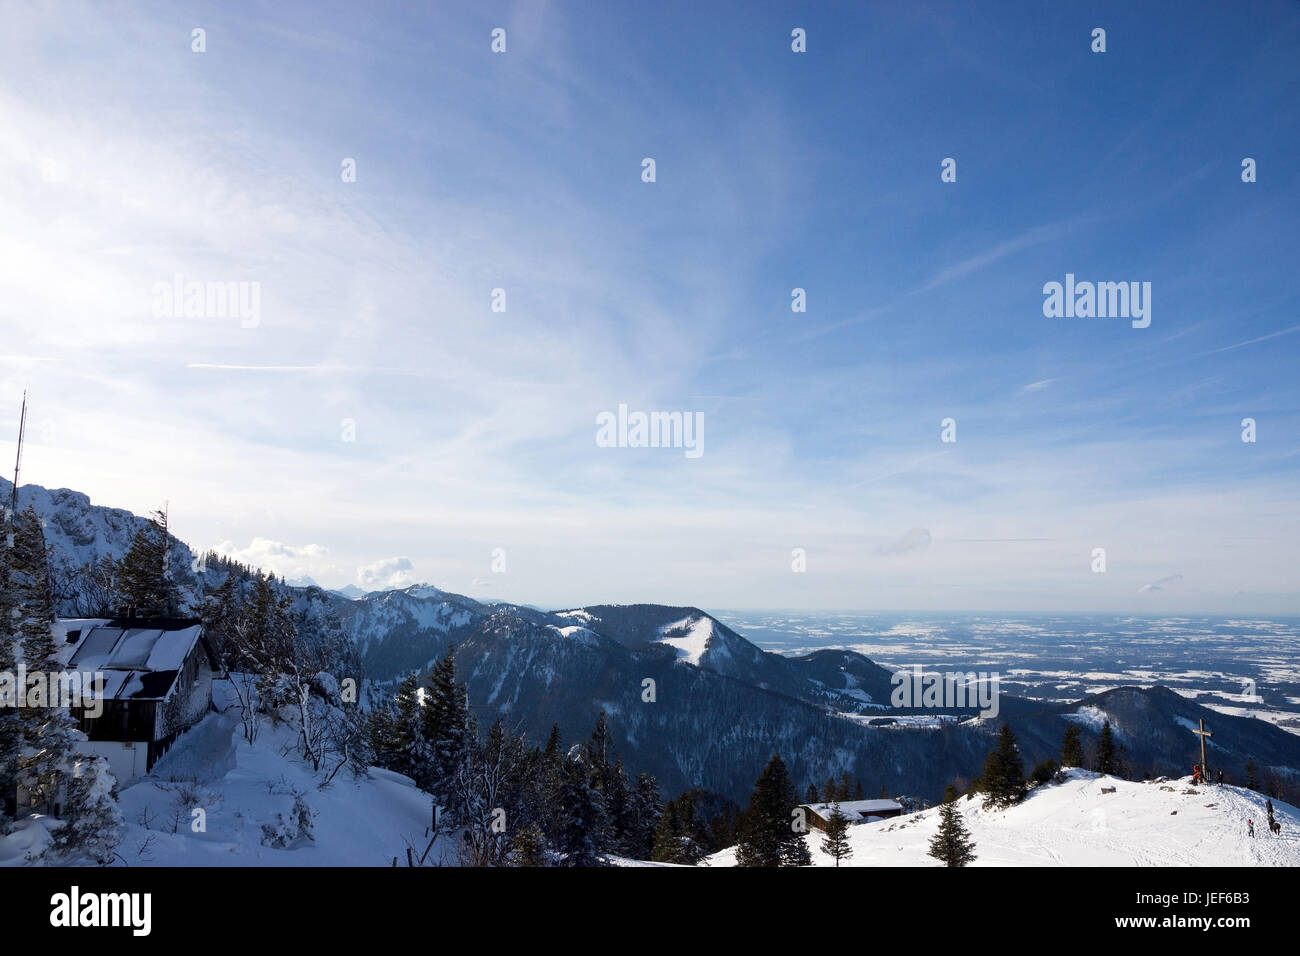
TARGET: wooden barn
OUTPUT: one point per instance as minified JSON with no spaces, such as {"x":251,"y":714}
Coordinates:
{"x":153,"y":680}
{"x":857,"y":811}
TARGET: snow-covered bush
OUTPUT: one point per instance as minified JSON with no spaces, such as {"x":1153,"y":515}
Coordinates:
{"x":92,"y":825}
{"x":287,"y":830}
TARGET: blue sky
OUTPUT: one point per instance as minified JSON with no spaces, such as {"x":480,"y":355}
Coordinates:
{"x":126,"y":158}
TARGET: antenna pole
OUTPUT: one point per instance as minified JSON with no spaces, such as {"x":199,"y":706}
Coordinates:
{"x":22,"y":427}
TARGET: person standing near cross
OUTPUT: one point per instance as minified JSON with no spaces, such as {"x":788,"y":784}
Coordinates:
{"x":1204,"y":768}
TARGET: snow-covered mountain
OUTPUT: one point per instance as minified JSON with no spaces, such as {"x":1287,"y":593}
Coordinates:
{"x":400,"y":631}
{"x":718,"y":706}
{"x":689,"y":699}
{"x":1166,"y":823}
{"x":697,"y":640}
{"x":81,"y":532}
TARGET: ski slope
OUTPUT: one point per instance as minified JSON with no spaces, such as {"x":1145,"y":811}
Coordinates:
{"x":1164,"y":824}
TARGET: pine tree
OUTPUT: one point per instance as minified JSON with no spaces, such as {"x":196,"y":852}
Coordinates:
{"x":11,"y":727}
{"x":481,"y":788}
{"x":1004,"y":772}
{"x":47,"y":728}
{"x":34,"y":601}
{"x":836,"y":841}
{"x":768,"y":837}
{"x":446,"y":727}
{"x":1072,"y":747}
{"x":950,"y":794}
{"x":552,"y":751}
{"x":724,"y":829}
{"x":621,"y":807}
{"x":1252,"y":776}
{"x":260,"y":632}
{"x":1106,"y":761}
{"x":599,"y":752}
{"x":583,"y":820}
{"x":528,"y":847}
{"x":830,"y":790}
{"x":692,"y":838}
{"x":551,"y":780}
{"x":647,"y":806}
{"x":858,"y":793}
{"x":93,"y":822}
{"x":952,"y":844}
{"x":600,"y":759}
{"x":794,"y":851}
{"x":268,"y":647}
{"x":1044,"y":772}
{"x":405,"y":747}
{"x":220,"y":614}
{"x":144,"y":574}
{"x":666,"y":845}
{"x":381,"y":728}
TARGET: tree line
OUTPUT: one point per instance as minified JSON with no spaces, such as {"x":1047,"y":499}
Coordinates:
{"x":39,"y":740}
{"x":504,"y":801}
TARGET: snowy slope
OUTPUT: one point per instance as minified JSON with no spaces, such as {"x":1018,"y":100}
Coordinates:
{"x":691,"y":637}
{"x":699,"y":640}
{"x":1075,"y":824}
{"x":240,"y":787}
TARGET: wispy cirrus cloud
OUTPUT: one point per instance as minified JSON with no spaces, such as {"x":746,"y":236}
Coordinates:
{"x":382,"y":408}
{"x":1163,"y":584}
{"x":917,"y":539}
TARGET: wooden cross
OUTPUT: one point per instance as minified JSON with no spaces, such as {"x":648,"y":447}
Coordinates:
{"x":1203,"y":733}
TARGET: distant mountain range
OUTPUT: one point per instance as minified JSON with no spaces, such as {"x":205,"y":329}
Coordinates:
{"x":688,"y":698}
{"x":349,"y":591}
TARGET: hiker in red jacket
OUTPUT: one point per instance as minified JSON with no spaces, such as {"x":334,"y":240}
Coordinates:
{"x":1250,"y":828}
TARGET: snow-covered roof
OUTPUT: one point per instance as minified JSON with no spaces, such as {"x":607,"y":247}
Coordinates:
{"x":68,"y":629}
{"x":855,"y":809}
{"x":138,"y":662}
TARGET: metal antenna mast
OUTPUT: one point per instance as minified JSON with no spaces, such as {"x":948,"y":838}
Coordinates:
{"x":22,"y":427}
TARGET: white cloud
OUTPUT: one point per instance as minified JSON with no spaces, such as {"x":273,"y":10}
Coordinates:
{"x":386,"y":573}
{"x":285,"y":560}
{"x":1160,"y":585}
